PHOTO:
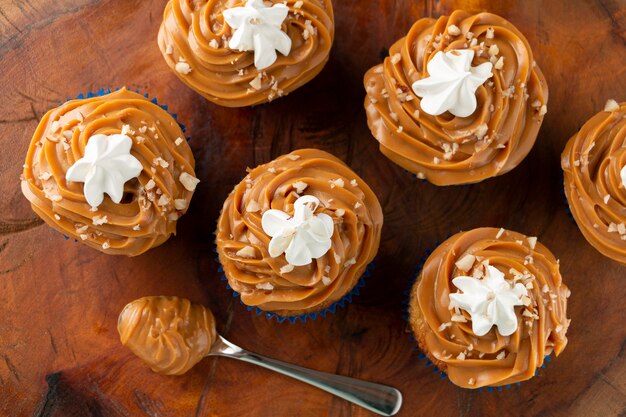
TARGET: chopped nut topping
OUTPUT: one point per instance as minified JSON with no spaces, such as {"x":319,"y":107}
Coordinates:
{"x":163,"y":200}
{"x":444,"y":326}
{"x":265,"y":286}
{"x":326,"y":281}
{"x":500,"y":233}
{"x":300,"y":186}
{"x":499,"y":63}
{"x":471,"y":381}
{"x":349,"y":262}
{"x":454,"y":30}
{"x":489,"y":34}
{"x":99,"y":220}
{"x":458,"y":318}
{"x":246,"y":252}
{"x":183,"y":68}
{"x":150,"y":184}
{"x":253,"y":206}
{"x":287,"y":269}
{"x":168,"y":49}
{"x":396,"y":58}
{"x":298,"y":4}
{"x":256,"y":82}
{"x":340,"y":212}
{"x":336,"y":183}
{"x":611,"y":105}
{"x":481,"y":131}
{"x":532,"y":242}
{"x":493,"y":50}
{"x":188,"y":181}
{"x":354,"y":183}
{"x":501,"y":355}
{"x":137,"y":227}
{"x":466,"y":262}
{"x":543,"y":110}
{"x":293,"y":157}
{"x":180,"y":204}
{"x":214,"y":44}
{"x":461,"y":356}
{"x":178,"y":141}
{"x":106,"y":245}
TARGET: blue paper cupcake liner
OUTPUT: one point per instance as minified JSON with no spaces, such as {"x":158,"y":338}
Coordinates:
{"x":346,"y":299}
{"x":421,"y":355}
{"x":104,"y":92}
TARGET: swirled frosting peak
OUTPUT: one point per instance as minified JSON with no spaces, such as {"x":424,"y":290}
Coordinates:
{"x":506,"y":279}
{"x":105,"y":168}
{"x":489,"y":301}
{"x":452,"y":83}
{"x":170,"y":334}
{"x":258,"y":29}
{"x":225,"y":50}
{"x":113,"y":172}
{"x":459,"y":99}
{"x":303,"y":237}
{"x":594,"y":167}
{"x":311,"y":206}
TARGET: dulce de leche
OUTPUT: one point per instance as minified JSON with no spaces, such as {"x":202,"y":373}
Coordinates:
{"x":170,"y":334}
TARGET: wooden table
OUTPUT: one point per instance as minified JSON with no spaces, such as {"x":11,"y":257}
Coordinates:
{"x":59,"y":349}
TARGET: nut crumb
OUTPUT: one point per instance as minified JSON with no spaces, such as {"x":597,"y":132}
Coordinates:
{"x":454,"y":30}
{"x":246,"y":252}
{"x":253,"y":206}
{"x":183,"y":68}
{"x":287,"y":269}
{"x":188,"y":181}
{"x":611,"y":105}
{"x":300,"y":186}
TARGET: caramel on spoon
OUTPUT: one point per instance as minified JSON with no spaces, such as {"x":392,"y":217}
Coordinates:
{"x":172,"y":334}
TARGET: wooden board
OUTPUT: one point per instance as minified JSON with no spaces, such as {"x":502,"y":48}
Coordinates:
{"x":59,"y":301}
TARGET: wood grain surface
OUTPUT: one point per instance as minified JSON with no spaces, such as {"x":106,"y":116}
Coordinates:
{"x":59,"y":349}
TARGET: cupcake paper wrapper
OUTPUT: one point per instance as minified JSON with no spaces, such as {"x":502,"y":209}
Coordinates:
{"x":105,"y":91}
{"x":421,"y":355}
{"x":346,"y":299}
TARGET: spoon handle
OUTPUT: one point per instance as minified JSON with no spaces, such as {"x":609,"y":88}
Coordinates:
{"x":380,"y":399}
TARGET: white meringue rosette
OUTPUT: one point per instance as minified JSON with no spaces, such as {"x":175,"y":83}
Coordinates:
{"x":106,"y":166}
{"x":489,"y":301}
{"x":258,"y":28}
{"x":303,"y":237}
{"x":452,"y":83}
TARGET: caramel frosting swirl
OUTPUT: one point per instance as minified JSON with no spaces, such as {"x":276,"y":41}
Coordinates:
{"x":593,"y":163}
{"x":194,"y":41}
{"x":152,"y":202}
{"x":170,"y":334}
{"x":445,"y":333}
{"x":445,"y":149}
{"x":271,"y":283}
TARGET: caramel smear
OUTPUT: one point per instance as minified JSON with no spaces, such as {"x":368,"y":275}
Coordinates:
{"x":170,"y":334}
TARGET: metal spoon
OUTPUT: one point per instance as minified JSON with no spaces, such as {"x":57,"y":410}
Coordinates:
{"x":380,"y":399}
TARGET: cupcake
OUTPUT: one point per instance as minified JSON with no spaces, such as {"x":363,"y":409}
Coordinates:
{"x":113,"y":172}
{"x":458,"y":100}
{"x":295,"y":236}
{"x":594,"y":167}
{"x":488,"y":306}
{"x":240,"y":53}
